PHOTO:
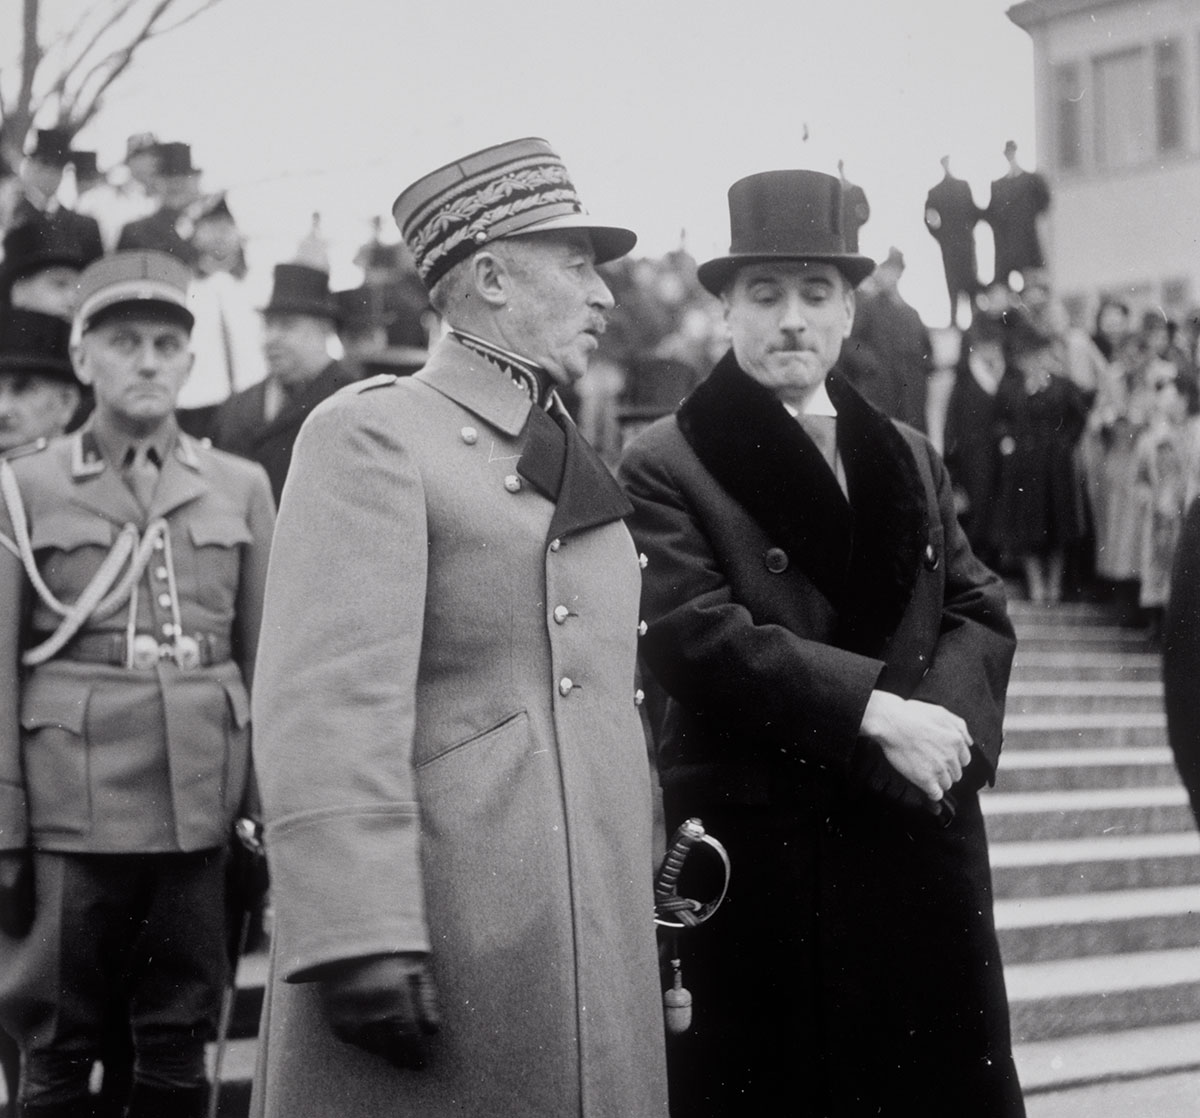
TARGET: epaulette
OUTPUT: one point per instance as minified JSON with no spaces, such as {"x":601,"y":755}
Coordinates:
{"x":27,"y":449}
{"x":379,"y":380}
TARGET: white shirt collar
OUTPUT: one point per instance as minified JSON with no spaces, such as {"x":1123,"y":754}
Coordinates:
{"x":818,"y":403}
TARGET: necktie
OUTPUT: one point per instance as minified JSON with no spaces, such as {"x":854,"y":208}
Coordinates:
{"x":141,"y":474}
{"x":822,"y":429}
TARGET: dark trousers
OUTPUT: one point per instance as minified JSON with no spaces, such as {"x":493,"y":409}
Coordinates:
{"x":143,"y":932}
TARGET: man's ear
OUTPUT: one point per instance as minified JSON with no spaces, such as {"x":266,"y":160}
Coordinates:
{"x":80,"y":362}
{"x":491,"y":277}
{"x":850,"y":304}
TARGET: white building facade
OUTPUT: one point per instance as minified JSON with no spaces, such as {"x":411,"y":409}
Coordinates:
{"x":1117,"y":103}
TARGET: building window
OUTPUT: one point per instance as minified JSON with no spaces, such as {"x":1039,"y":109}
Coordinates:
{"x":1068,"y":108}
{"x":1123,"y":124}
{"x":1168,"y":95}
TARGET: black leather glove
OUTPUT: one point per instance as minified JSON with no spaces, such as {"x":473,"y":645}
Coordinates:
{"x":871,"y":772}
{"x":16,"y":892}
{"x":384,"y":1004}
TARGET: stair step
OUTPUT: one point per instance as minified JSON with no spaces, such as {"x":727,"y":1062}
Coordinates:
{"x":1028,"y":816}
{"x":1077,"y":613}
{"x":1067,"y":997}
{"x":237,"y":1076}
{"x":1113,"y":862}
{"x":1084,"y":638}
{"x":1126,"y":920}
{"x":1037,"y":770}
{"x":1064,"y":730}
{"x":1097,"y":666}
{"x":1065,"y":1062}
{"x":1031,"y":697}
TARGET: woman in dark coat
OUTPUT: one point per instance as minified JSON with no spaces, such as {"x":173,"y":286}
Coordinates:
{"x":1040,"y":416}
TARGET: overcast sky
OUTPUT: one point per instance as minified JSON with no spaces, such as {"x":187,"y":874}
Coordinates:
{"x":656,"y":106}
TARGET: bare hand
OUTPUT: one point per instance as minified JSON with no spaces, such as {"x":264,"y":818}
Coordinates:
{"x":925,"y":743}
{"x":384,"y":1004}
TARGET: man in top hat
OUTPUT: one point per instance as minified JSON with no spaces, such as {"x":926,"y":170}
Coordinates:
{"x":835,"y":661}
{"x":36,"y":197}
{"x":454,"y":776}
{"x":38,"y":389}
{"x":131,"y":582}
{"x":40,"y":269}
{"x":262,"y":421}
{"x":176,"y":186}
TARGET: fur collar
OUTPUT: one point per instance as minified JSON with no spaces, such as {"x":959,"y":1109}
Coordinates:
{"x":864,"y":555}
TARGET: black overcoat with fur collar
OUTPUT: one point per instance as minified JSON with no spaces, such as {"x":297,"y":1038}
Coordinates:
{"x":857,"y":944}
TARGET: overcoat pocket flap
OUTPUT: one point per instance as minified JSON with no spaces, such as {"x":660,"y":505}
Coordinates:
{"x":55,"y":702}
{"x":65,"y":531}
{"x":219,"y":531}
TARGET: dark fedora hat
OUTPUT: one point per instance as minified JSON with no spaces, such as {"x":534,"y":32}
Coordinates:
{"x":174,"y":159}
{"x":299,"y":289}
{"x":31,"y":342}
{"x":36,"y":244}
{"x":510,"y":189}
{"x":785,"y":215}
{"x":51,"y":146}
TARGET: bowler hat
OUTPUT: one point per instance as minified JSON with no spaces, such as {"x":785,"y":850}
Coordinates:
{"x":510,"y":189}
{"x":299,"y":289}
{"x":145,"y":282}
{"x":32,"y":342}
{"x":175,"y":159}
{"x":36,"y":244}
{"x":51,"y":146}
{"x":785,"y":215}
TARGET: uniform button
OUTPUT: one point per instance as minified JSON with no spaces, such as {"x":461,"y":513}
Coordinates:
{"x":776,"y":560}
{"x":164,"y":600}
{"x":469,"y":435}
{"x":160,"y":572}
{"x":643,"y":562}
{"x":168,"y":630}
{"x":565,"y":685}
{"x":555,"y":544}
{"x":512,"y":483}
{"x":642,"y":627}
{"x":561,"y":613}
{"x":158,"y":543}
{"x":639,"y":697}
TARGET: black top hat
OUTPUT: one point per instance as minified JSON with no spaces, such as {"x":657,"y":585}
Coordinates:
{"x":299,"y":289}
{"x":36,"y":244}
{"x":31,"y":342}
{"x":785,"y":215}
{"x":358,"y":308}
{"x":51,"y":146}
{"x":175,"y":159}
{"x":84,"y":163}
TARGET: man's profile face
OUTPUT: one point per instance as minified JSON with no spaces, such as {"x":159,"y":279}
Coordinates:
{"x":787,"y":321}
{"x":559,"y":304}
{"x":33,"y":407}
{"x":53,"y":290}
{"x":137,"y":365}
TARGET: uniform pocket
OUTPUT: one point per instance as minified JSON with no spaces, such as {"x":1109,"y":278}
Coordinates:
{"x":216,"y":547}
{"x":55,"y":753}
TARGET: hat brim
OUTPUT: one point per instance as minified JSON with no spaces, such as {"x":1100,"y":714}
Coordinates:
{"x":715,"y":274}
{"x":610,"y":242}
{"x":313,"y":309}
{"x":33,"y":365}
{"x":165,"y":310}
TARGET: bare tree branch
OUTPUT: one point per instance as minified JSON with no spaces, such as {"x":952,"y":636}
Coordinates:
{"x":70,"y":64}
{"x":185,"y":20}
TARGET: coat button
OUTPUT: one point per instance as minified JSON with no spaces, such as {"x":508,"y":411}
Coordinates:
{"x":642,"y":627}
{"x":561,"y":613}
{"x":555,"y":544}
{"x":512,"y":483}
{"x":932,"y":559}
{"x":158,"y":543}
{"x":469,"y":436}
{"x":776,"y":560}
{"x":643,"y":562}
{"x":565,"y":685}
{"x":164,"y":600}
{"x":160,"y":572}
{"x":639,"y":697}
{"x":168,"y":629}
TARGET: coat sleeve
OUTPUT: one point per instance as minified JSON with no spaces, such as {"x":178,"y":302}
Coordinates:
{"x":335,"y":694}
{"x":252,"y":585}
{"x":1181,"y":657}
{"x":708,"y":652}
{"x":969,"y":670}
{"x":14,"y":813}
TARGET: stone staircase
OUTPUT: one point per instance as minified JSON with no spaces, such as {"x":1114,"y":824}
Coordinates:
{"x":1095,"y":859}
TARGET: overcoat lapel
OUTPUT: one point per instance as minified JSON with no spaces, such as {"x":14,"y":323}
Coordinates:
{"x":863,"y":554}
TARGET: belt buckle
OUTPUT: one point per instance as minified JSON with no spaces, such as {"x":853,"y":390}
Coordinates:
{"x":187,"y":653}
{"x":144,"y":654}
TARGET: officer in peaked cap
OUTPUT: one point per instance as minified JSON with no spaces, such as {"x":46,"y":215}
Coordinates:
{"x":460,"y":843}
{"x":131,"y":581}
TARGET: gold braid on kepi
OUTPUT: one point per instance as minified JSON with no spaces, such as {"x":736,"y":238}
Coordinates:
{"x":517,"y":187}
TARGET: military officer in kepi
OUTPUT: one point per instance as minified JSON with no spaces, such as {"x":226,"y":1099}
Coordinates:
{"x":131,"y":581}
{"x":454,"y":777}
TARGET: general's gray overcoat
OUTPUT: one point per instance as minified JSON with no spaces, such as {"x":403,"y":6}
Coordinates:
{"x":451,"y":758}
